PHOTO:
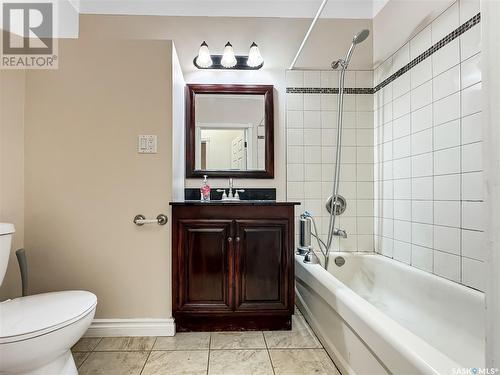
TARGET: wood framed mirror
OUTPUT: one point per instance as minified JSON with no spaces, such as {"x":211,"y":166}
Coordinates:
{"x":230,"y":131}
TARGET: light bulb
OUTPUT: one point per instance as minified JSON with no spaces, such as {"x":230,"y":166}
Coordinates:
{"x":228,"y":59}
{"x":254,"y":57}
{"x":204,"y":60}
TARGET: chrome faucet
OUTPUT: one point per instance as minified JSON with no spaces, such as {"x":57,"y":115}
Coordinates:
{"x":310,"y":256}
{"x":340,"y":232}
{"x":232,"y":194}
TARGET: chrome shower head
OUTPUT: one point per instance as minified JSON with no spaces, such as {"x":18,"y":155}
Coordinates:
{"x":361,"y":36}
{"x":356,"y":39}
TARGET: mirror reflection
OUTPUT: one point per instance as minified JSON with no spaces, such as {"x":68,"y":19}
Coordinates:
{"x":230,"y":132}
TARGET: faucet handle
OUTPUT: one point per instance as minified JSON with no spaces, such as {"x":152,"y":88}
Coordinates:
{"x":237,"y":191}
{"x":223,"y":191}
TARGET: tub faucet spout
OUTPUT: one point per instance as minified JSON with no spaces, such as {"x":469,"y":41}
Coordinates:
{"x":340,"y":232}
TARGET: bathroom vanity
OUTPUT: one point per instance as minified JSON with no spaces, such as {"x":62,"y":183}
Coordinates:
{"x":233,"y":265}
{"x":232,"y":260}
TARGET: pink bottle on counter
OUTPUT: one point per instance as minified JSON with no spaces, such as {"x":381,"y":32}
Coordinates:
{"x":205,"y":190}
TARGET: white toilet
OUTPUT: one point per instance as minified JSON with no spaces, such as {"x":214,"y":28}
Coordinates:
{"x":37,"y":332}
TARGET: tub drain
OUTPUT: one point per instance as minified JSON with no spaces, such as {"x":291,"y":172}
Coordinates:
{"x":339,"y":261}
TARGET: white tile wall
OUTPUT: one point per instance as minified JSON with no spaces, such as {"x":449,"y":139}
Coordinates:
{"x":446,"y":57}
{"x":445,"y":23}
{"x":428,"y":170}
{"x":411,"y":159}
{"x":311,"y":137}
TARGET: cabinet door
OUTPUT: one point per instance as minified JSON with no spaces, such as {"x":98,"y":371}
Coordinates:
{"x":262,"y":264}
{"x":205,"y":271}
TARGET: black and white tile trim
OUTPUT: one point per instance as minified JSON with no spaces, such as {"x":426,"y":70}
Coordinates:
{"x":349,"y":90}
{"x":325,"y":90}
{"x":443,"y":42}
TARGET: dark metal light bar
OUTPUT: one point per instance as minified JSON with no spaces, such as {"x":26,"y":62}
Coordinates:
{"x":241,"y":63}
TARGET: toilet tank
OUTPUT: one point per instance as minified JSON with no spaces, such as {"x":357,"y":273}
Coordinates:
{"x":6,"y":231}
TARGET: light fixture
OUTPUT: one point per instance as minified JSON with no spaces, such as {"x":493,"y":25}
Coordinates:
{"x":228,"y":59}
{"x":254,"y":57}
{"x":204,"y":60}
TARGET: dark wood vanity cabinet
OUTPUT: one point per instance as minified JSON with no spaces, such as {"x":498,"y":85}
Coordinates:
{"x":261,"y":263}
{"x":233,"y":266}
{"x":204,"y":267}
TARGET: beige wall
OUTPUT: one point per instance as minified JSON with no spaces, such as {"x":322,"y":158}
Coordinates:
{"x":85,"y":181}
{"x":399,"y":21}
{"x":278,"y":39}
{"x":12,"y":169}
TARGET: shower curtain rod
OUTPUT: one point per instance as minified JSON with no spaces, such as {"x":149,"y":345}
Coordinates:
{"x":311,"y":27}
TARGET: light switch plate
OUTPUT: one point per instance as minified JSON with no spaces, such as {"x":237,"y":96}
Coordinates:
{"x":147,"y":144}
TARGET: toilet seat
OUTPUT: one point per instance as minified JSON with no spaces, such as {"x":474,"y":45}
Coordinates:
{"x":27,"y":317}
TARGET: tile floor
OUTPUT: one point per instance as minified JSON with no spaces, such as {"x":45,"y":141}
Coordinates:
{"x":218,"y":353}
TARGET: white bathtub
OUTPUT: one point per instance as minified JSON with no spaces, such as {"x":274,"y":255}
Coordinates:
{"x":378,"y":316}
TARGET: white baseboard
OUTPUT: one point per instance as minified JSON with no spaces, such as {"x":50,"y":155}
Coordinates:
{"x":131,"y":327}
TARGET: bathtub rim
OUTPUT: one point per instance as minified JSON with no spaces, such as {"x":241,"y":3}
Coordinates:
{"x":475,"y":293}
{"x":340,"y":363}
{"x":372,"y":326}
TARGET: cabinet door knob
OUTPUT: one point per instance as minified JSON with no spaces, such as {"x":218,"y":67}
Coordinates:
{"x":230,"y":239}
{"x":237,"y":239}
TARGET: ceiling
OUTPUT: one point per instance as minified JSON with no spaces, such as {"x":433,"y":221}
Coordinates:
{"x":357,"y":9}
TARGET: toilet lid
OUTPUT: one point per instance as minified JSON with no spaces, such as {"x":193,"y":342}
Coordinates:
{"x":6,"y":228}
{"x":38,"y":314}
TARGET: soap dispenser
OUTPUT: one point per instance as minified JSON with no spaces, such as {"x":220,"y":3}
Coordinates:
{"x":205,"y":190}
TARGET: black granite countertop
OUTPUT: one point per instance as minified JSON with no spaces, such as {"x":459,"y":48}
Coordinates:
{"x":250,"y":194}
{"x":262,"y":202}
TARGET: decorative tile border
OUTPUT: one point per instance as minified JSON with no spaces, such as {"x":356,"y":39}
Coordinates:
{"x":325,"y":90}
{"x":443,"y":42}
{"x":349,"y":90}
